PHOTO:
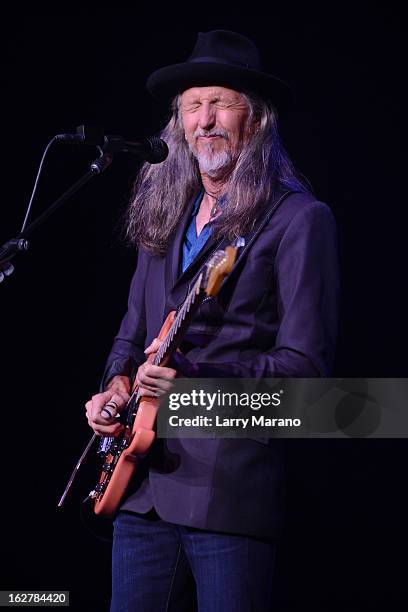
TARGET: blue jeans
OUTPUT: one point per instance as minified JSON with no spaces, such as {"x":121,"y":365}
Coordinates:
{"x":232,"y":573}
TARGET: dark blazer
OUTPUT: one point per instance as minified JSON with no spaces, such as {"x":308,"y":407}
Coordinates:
{"x":276,"y":316}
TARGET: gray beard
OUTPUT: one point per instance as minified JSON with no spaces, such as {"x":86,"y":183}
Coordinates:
{"x":213,"y":164}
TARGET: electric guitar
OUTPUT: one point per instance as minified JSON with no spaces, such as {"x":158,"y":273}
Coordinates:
{"x":121,"y":454}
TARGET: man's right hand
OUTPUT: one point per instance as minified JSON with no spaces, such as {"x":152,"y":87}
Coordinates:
{"x":116,"y":396}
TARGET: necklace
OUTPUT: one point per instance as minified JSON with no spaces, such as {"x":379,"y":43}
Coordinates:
{"x":215,"y":208}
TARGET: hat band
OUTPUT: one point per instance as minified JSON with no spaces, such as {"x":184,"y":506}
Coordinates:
{"x":217,"y":60}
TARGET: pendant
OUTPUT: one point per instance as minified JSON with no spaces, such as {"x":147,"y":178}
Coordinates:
{"x":214,"y":210}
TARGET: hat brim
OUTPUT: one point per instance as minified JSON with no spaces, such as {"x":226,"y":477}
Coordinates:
{"x":167,"y":82}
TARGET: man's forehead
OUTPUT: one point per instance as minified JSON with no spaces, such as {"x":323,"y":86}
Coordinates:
{"x":210,"y":91}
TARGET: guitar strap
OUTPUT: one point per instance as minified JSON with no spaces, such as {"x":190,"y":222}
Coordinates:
{"x":244,"y":243}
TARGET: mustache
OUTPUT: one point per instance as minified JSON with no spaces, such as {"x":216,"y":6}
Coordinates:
{"x":215,"y":132}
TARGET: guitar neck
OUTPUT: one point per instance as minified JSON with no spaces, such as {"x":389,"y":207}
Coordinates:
{"x":180,"y":323}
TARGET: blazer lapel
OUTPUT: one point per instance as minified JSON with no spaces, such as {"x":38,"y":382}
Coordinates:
{"x":175,"y":248}
{"x":211,"y":244}
{"x":179,"y":290}
{"x":177,"y":286}
{"x":195,"y":265}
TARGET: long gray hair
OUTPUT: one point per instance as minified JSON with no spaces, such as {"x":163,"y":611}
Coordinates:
{"x":161,"y":192}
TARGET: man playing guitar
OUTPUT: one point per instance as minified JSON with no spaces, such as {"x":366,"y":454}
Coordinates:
{"x":216,"y":504}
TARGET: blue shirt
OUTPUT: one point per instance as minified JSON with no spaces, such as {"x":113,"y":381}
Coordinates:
{"x":193,"y":244}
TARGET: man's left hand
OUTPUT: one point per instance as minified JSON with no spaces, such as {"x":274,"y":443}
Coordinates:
{"x":154,"y":380}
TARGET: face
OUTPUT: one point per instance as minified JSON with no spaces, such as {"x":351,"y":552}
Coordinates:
{"x":215,"y":121}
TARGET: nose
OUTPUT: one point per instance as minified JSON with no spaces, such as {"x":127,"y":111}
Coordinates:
{"x":207,"y":118}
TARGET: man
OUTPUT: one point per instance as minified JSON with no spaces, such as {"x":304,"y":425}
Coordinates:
{"x":217,"y":502}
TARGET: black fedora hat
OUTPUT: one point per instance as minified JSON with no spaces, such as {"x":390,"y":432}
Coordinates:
{"x":220,"y":57}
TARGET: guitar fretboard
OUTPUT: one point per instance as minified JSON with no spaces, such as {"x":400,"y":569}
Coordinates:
{"x":169,"y":342}
{"x":178,"y":321}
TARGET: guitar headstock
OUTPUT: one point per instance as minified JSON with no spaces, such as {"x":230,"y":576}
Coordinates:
{"x":219,"y":266}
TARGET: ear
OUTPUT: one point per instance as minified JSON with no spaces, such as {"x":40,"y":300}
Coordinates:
{"x":254,"y":127}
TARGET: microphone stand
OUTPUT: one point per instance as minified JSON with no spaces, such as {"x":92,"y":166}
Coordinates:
{"x":20,"y":244}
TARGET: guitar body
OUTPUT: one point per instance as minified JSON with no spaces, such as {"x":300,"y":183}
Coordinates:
{"x":142,"y":438}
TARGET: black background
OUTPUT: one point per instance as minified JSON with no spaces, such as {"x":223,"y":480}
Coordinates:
{"x":344,"y":547}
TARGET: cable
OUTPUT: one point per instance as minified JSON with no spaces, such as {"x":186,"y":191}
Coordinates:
{"x":36,"y":183}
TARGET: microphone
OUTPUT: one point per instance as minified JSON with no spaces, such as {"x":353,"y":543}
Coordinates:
{"x":153,"y":150}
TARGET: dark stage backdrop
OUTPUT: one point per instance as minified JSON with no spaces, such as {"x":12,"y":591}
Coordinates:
{"x":344,"y":547}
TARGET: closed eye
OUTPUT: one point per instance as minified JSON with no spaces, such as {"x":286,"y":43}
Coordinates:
{"x":192,"y":107}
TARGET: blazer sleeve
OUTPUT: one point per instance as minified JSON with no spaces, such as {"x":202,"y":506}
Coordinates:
{"x":127,"y":352}
{"x":307,"y":281}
